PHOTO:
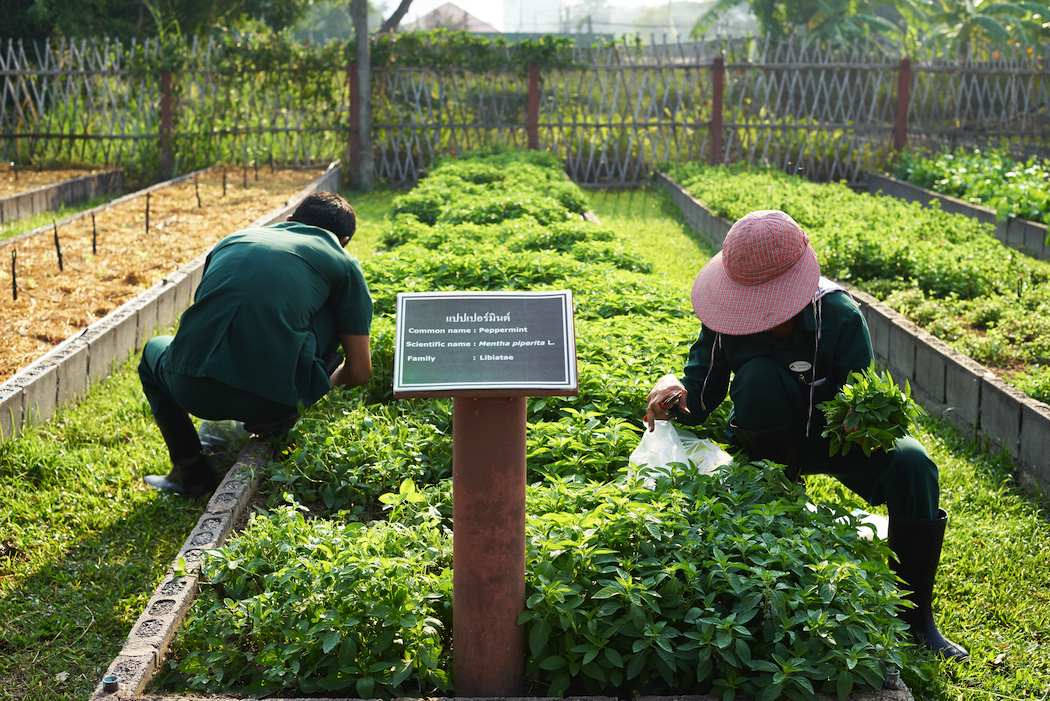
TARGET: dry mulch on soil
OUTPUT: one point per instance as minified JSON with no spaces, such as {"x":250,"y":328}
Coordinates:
{"x":53,"y":305}
{"x":32,"y":178}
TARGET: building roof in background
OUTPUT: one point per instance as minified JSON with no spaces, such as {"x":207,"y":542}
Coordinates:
{"x":448,"y":16}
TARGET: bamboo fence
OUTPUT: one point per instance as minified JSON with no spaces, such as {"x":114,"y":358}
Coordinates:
{"x":827,"y":114}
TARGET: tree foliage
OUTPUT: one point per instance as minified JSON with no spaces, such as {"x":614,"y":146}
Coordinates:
{"x":127,"y":19}
{"x":840,"y":22}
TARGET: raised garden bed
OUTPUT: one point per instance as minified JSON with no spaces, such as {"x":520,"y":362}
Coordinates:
{"x":1028,"y":237}
{"x":69,"y":326}
{"x":25,"y":192}
{"x":356,"y":451}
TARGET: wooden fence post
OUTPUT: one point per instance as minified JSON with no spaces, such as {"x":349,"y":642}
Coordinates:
{"x":900,"y":124}
{"x":533,"y":124}
{"x":715,"y":129}
{"x":165,"y":126}
{"x":354,"y":141}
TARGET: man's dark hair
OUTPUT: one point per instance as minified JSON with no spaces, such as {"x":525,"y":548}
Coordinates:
{"x":329,"y":211}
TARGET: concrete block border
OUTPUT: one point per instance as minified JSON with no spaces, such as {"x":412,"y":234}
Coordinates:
{"x":66,"y":372}
{"x":147,"y":643}
{"x":1021,"y":234}
{"x":48,"y":197}
{"x":948,"y":384}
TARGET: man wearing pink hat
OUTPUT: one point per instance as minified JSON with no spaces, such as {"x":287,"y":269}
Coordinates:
{"x":780,"y":339}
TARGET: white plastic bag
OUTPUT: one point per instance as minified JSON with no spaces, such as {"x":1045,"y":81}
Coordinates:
{"x":222,"y":436}
{"x":667,"y":449}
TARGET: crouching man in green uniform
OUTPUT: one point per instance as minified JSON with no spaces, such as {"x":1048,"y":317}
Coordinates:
{"x":781,"y":339}
{"x":274,"y":305}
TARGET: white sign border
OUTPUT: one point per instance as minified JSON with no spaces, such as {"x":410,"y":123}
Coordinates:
{"x":571,"y":383}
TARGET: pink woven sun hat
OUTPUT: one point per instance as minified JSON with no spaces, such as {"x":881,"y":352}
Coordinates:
{"x":765,"y":274}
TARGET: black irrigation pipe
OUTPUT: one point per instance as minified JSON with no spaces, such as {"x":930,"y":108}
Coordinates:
{"x":147,"y":210}
{"x":14,"y":279}
{"x":224,"y":181}
{"x":58,"y":249}
{"x":197,"y":191}
{"x":94,"y":235}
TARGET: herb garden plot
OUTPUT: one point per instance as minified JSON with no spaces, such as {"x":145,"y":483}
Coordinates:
{"x":945,"y":272}
{"x":61,"y":280}
{"x":629,"y":589}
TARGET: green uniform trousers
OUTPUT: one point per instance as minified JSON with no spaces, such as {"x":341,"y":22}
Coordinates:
{"x":766,"y":395}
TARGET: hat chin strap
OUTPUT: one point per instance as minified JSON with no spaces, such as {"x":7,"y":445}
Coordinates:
{"x":818,"y":314}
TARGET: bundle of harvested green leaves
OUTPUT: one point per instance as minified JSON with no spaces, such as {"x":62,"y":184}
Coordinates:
{"x":870,"y":410}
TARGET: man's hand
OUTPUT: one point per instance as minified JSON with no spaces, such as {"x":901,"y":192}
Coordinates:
{"x":357,"y":367}
{"x":666,"y":394}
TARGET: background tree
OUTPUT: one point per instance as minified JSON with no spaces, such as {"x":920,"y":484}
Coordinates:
{"x":837,"y":22}
{"x":124,"y":19}
{"x":964,"y":21}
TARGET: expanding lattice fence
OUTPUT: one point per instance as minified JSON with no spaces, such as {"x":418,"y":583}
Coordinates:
{"x":829,"y":114}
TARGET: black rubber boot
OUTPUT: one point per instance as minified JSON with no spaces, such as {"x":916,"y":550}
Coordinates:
{"x":778,"y":444}
{"x":192,"y":478}
{"x":192,"y":472}
{"x":917,"y":546}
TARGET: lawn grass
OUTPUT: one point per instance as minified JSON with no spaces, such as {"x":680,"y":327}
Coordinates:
{"x":17,"y":228}
{"x":93,"y":542}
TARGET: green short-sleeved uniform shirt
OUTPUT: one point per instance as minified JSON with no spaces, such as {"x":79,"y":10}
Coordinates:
{"x":271,"y":301}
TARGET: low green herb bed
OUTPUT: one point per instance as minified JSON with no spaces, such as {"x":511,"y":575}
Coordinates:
{"x":720,"y":583}
{"x":945,"y":272}
{"x":989,"y":178}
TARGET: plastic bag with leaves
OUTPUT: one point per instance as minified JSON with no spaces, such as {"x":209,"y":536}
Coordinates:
{"x":669,"y":450}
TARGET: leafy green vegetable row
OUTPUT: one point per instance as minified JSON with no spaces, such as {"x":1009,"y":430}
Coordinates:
{"x":702,"y":583}
{"x":946,"y":272}
{"x":992,"y":179}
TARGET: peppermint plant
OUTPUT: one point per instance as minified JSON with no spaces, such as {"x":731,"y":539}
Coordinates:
{"x":870,"y":410}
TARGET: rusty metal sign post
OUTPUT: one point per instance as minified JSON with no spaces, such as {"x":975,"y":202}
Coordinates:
{"x":488,"y":351}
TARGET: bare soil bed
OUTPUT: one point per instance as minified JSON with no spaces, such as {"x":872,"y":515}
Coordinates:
{"x":31,"y":178}
{"x":54,"y":304}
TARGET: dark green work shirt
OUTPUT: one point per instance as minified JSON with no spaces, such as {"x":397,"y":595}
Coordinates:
{"x":844,"y":347}
{"x":271,"y":301}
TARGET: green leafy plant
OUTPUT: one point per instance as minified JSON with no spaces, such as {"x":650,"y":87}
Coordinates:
{"x":723,"y":584}
{"x":870,"y":410}
{"x":322,"y":606}
{"x":992,"y":178}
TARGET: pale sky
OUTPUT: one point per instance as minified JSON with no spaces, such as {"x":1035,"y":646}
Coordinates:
{"x":491,"y":11}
